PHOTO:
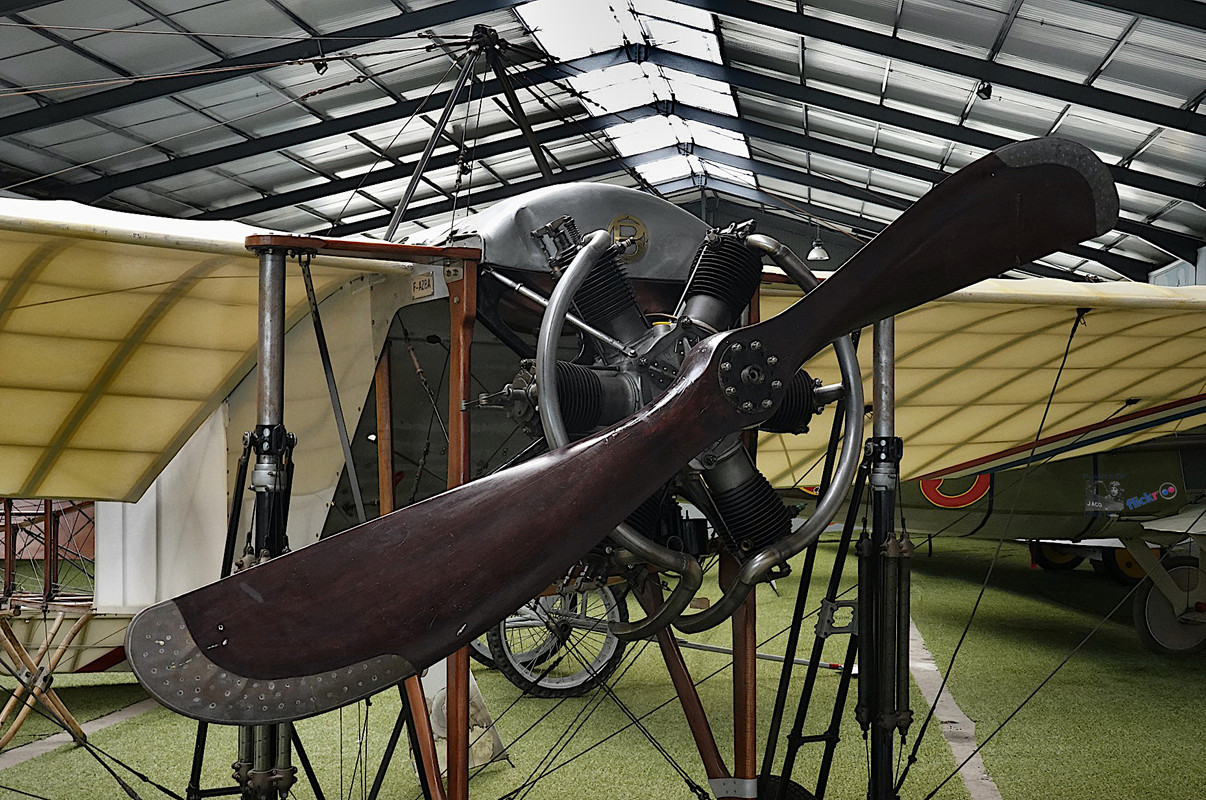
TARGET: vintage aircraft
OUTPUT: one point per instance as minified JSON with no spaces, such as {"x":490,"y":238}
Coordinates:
{"x":1068,"y":382}
{"x":224,"y":653}
{"x":712,"y":308}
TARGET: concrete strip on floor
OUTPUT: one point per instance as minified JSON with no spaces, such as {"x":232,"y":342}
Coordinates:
{"x":958,"y":730}
{"x":19,"y":755}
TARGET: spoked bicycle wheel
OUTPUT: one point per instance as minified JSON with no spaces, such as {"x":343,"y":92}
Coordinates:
{"x":559,"y":645}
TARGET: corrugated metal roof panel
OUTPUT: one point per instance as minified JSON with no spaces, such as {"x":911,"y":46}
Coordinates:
{"x":151,"y":48}
{"x":326,"y":17}
{"x":1109,"y":136}
{"x":54,"y":66}
{"x":1162,"y":75}
{"x":761,"y":48}
{"x":954,"y":26}
{"x":876,"y":15}
{"x":1014,"y":114}
{"x":239,"y":17}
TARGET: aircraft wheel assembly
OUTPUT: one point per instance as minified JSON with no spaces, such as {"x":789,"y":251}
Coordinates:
{"x":1119,"y":564}
{"x":560,"y":645}
{"x":1050,"y":557}
{"x":1160,"y":623}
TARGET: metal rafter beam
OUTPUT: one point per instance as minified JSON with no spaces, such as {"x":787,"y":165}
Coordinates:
{"x":949,"y":60}
{"x":777,"y":87}
{"x":483,"y":151}
{"x":1180,"y":245}
{"x":1130,"y":267}
{"x":337,"y":41}
{"x":599,"y":169}
{"x":304,"y":134}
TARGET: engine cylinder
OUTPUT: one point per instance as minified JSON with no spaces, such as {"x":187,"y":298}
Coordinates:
{"x":607,"y":301}
{"x":796,"y":409}
{"x":581,"y":394}
{"x":725,"y":277}
{"x":752,"y":513}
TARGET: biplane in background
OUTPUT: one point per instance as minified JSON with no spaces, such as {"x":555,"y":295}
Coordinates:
{"x":1063,"y":414}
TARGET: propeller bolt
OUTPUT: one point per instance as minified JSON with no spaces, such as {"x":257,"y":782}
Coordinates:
{"x":725,"y":366}
{"x":747,"y":406}
{"x":772,"y":360}
{"x":776,"y":385}
{"x":736,"y":348}
{"x":730,"y":390}
{"x":767,"y":403}
{"x":755,"y":345}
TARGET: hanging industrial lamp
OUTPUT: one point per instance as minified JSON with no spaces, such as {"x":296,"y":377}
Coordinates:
{"x":818,"y":251}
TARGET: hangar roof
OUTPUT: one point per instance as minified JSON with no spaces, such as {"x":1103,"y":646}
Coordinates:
{"x":308,"y":116}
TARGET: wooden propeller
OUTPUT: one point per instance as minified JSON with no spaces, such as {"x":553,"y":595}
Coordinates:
{"x":352,"y":614}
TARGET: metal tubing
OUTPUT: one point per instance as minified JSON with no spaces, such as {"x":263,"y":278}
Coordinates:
{"x":556,"y":312}
{"x":755,"y":568}
{"x":50,"y":552}
{"x":10,"y":549}
{"x":324,"y":355}
{"x":793,"y":635}
{"x":264,"y":748}
{"x":818,"y":642}
{"x":421,"y":165}
{"x":880,"y":591}
{"x":270,"y":372}
{"x":517,"y":112}
{"x":543,"y":302}
{"x":745,"y":682}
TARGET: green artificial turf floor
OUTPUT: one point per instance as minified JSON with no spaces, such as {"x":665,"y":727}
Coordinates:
{"x":1117,"y":722}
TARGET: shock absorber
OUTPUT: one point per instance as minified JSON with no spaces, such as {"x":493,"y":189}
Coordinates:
{"x":724,"y":278}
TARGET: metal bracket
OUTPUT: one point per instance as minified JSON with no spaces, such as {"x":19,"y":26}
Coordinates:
{"x":734,"y":787}
{"x":825,"y":623}
{"x":885,"y":449}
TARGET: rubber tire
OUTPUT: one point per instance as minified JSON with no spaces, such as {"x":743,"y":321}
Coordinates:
{"x":479,"y":651}
{"x":1049,"y":558}
{"x":1148,"y":602}
{"x":768,"y":786}
{"x":1120,"y":565}
{"x":548,"y":686}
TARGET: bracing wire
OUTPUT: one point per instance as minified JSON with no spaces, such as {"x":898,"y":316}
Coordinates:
{"x":221,"y":124}
{"x":912,"y":759}
{"x":1068,"y":657}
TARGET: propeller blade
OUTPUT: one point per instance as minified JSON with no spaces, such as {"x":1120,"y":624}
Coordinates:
{"x":350,"y":615}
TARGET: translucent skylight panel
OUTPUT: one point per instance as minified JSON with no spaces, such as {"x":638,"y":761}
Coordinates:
{"x":667,"y":9}
{"x":617,"y":88}
{"x":327,"y":17}
{"x":682,"y":39}
{"x":701,"y":92}
{"x":666,"y":169}
{"x":569,"y":31}
{"x":149,"y":49}
{"x":237,"y":21}
{"x":739,"y":176}
{"x":642,"y":135}
{"x":716,"y":138}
